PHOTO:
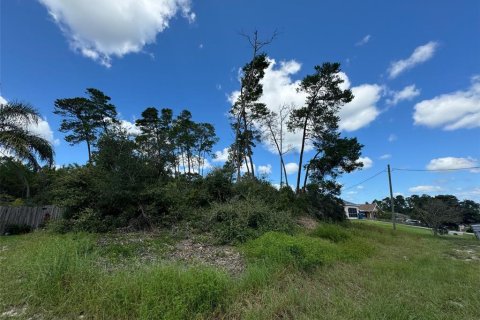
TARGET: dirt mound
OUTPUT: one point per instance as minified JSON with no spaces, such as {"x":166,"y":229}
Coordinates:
{"x":224,"y":257}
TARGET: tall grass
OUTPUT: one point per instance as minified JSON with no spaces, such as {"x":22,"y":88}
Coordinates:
{"x":333,"y":272}
{"x":61,"y":276}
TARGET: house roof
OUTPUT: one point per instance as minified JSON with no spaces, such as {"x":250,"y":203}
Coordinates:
{"x":368,"y":207}
{"x":347,"y":203}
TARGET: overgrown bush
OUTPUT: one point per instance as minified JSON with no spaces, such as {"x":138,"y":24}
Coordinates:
{"x":331,"y":232}
{"x":253,"y":188}
{"x":14,"y":229}
{"x":218,"y":184}
{"x":239,"y":220}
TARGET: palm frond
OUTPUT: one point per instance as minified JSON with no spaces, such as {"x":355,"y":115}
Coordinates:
{"x":27,"y":146}
{"x":17,"y":113}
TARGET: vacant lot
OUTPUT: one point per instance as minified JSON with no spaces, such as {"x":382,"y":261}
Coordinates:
{"x":360,"y":271}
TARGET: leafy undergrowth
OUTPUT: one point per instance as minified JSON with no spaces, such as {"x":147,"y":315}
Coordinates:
{"x":357,"y":271}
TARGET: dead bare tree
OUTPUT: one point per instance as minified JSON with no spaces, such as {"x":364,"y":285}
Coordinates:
{"x":246,"y":110}
{"x":274,"y":125}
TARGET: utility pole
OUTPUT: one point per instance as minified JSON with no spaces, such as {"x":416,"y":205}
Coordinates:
{"x":391,"y":198}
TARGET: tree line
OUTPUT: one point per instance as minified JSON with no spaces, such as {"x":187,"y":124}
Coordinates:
{"x":160,"y":174}
{"x":435,"y":211}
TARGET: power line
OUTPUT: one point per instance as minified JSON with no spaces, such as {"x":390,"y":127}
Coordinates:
{"x":434,"y":170}
{"x":368,"y":179}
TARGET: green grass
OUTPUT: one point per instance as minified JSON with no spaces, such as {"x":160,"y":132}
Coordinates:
{"x":404,"y":227}
{"x":361,"y":271}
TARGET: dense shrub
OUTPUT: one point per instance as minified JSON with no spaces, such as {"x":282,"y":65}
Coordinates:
{"x":218,"y":184}
{"x":331,"y":232}
{"x":88,"y":220}
{"x":322,"y":206}
{"x":61,"y":226}
{"x":240,"y":220}
{"x":14,"y":229}
{"x":253,"y":188}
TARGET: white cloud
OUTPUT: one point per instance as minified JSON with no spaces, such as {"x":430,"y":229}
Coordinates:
{"x":221,"y":156}
{"x":2,"y":100}
{"x":265,"y":169}
{"x":130,"y":127}
{"x":419,"y":55}
{"x":392,"y":138}
{"x":280,"y":89}
{"x":360,"y":187}
{"x":362,"y":110}
{"x":424,"y":189}
{"x":385,"y":156}
{"x":43,"y":130}
{"x":100,"y":29}
{"x":451,"y":111}
{"x":453,"y":163}
{"x":364,"y":40}
{"x":291,"y":168}
{"x":367,"y":162}
{"x":407,"y":93}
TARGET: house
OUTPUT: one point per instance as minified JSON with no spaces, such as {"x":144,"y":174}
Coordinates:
{"x":352,"y":210}
{"x":369,"y":210}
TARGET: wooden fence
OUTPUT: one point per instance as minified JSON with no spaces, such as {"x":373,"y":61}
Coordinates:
{"x":32,"y":216}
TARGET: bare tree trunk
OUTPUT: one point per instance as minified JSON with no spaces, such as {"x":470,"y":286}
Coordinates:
{"x":301,"y":154}
{"x":308,"y":169}
{"x":251,"y":164}
{"x":280,"y":154}
{"x":89,"y":151}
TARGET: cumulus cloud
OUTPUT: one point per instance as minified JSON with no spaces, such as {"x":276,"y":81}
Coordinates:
{"x":280,"y":89}
{"x":419,"y":55}
{"x":100,"y":29}
{"x":392,"y":138}
{"x":130,"y":127}
{"x":451,"y":111}
{"x":362,"y":110}
{"x":367,"y":162}
{"x":385,"y":156}
{"x":449,"y":163}
{"x":265,"y":169}
{"x":407,"y":93}
{"x":291,"y":168}
{"x":221,"y":156}
{"x":43,"y":130}
{"x":364,"y":40}
{"x":424,"y":189}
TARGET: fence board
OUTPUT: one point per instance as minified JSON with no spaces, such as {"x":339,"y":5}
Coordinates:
{"x":32,"y":216}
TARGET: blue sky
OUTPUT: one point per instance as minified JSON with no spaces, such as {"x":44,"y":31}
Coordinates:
{"x":413,"y":67}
